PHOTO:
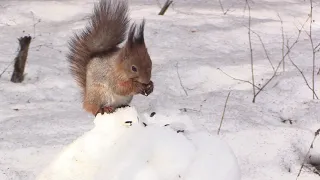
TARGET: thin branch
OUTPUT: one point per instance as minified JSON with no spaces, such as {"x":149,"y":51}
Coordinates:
{"x":238,"y":79}
{"x":264,"y":48}
{"x":224,"y":110}
{"x":306,"y":156}
{"x":251,"y":53}
{"x":50,"y":46}
{"x":289,"y":49}
{"x":158,"y":3}
{"x":316,"y":48}
{"x":34,"y":25}
{"x":305,"y":79}
{"x":312,"y":46}
{"x":222,"y":9}
{"x":184,"y":89}
{"x":282,"y":48}
{"x":5,"y":69}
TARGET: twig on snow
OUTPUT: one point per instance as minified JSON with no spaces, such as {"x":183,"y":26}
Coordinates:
{"x":313,"y":91}
{"x":282,"y":48}
{"x":314,"y":49}
{"x":278,"y":66}
{"x":306,"y":156}
{"x":237,"y":78}
{"x":49,"y":46}
{"x":184,"y":89}
{"x":224,"y":110}
{"x":158,"y":3}
{"x":34,"y":25}
{"x":264,"y":48}
{"x":251,"y":51}
{"x":222,"y":9}
{"x":5,"y":69}
{"x":165,"y":7}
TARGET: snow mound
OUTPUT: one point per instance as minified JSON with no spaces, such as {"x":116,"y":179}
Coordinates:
{"x":121,"y":147}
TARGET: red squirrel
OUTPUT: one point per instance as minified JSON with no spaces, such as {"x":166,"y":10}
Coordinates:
{"x":109,"y":75}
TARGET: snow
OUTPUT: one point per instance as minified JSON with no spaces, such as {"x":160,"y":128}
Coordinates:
{"x":270,"y":138}
{"x":114,"y":149}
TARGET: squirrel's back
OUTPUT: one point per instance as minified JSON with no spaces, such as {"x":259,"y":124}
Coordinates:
{"x":106,"y":30}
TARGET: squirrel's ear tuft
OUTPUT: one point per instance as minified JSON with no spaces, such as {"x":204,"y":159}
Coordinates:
{"x":131,"y":35}
{"x":139,"y":39}
{"x":136,"y":37}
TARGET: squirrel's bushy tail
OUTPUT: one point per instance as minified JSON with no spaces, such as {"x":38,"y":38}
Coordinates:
{"x":106,"y":29}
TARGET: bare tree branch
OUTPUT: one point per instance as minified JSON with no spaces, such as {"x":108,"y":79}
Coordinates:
{"x":305,"y":79}
{"x":251,"y":51}
{"x":313,"y":48}
{"x":316,"y":48}
{"x":34,"y":25}
{"x":264,"y":48}
{"x":289,"y":49}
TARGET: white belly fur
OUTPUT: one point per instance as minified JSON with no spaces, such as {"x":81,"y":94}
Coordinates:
{"x":117,"y":100}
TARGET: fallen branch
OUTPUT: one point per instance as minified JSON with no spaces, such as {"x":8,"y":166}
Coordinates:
{"x":20,"y":60}
{"x":224,"y":110}
{"x":165,"y":7}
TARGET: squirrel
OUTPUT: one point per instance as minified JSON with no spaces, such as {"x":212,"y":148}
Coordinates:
{"x":109,"y":75}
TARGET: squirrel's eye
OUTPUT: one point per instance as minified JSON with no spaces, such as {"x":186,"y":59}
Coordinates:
{"x":134,"y":69}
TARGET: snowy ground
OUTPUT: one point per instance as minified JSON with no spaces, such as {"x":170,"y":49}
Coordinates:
{"x":43,"y":114}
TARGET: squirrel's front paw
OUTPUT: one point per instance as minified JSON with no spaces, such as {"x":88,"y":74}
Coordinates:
{"x":148,"y":89}
{"x":105,"y":109}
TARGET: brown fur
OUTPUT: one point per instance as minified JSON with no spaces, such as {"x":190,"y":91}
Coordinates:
{"x":102,"y":69}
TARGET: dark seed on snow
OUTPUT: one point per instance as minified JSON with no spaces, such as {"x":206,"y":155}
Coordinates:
{"x":179,"y":131}
{"x":152,"y":114}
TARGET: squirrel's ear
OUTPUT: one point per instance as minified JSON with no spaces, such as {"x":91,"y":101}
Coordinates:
{"x":140,"y":36}
{"x":131,"y":36}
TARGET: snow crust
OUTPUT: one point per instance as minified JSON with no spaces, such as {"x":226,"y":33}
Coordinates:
{"x":189,"y":47}
{"x":116,"y":150}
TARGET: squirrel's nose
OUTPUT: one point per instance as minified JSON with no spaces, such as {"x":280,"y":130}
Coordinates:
{"x":145,"y":79}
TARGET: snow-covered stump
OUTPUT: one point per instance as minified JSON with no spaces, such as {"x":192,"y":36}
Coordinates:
{"x":120,"y":147}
